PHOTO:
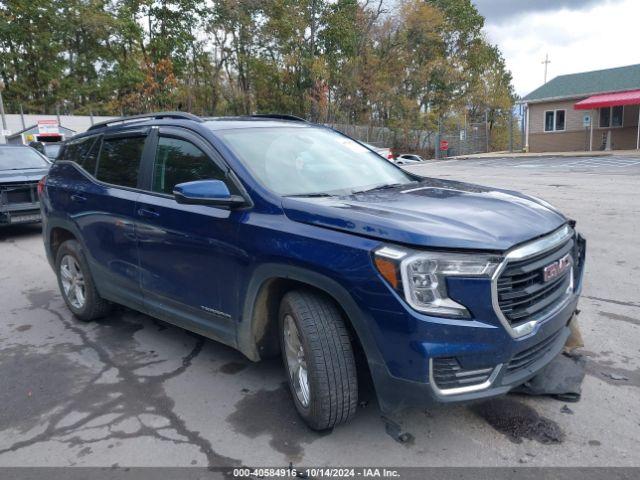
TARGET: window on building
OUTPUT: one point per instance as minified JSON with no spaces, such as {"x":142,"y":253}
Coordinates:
{"x":554,"y":120}
{"x":179,"y":161}
{"x":611,"y":117}
{"x":119,"y":161}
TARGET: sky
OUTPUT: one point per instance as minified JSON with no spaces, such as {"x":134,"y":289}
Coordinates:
{"x":578,"y":35}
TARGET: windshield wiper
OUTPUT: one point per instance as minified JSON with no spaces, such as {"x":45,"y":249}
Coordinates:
{"x":21,"y":168}
{"x":310,"y":195}
{"x":379,"y":187}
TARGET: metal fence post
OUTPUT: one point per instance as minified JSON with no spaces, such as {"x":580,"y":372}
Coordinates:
{"x":4,"y":120}
{"x":438,"y":135}
{"x":511,"y":130}
{"x":486,"y":129}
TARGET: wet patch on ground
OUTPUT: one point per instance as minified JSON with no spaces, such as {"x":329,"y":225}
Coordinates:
{"x":272,"y":412}
{"x":231,"y":368}
{"x":40,"y":298}
{"x":613,"y":375}
{"x":34,"y":384}
{"x":621,"y":318}
{"x":518,"y":421}
{"x":112,"y":402}
{"x":614,"y":302}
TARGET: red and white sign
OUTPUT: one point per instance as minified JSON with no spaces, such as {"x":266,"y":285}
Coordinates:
{"x":444,"y":145}
{"x":48,"y":127}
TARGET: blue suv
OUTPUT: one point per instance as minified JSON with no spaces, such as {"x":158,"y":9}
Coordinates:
{"x":274,"y":235}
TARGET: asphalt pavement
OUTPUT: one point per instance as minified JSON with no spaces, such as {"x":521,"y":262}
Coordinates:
{"x":133,"y":391}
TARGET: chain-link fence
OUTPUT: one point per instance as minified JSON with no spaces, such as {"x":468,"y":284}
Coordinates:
{"x":476,"y":137}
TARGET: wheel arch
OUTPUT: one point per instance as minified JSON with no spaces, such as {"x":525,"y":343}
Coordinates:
{"x":258,"y":330}
{"x":57,"y":232}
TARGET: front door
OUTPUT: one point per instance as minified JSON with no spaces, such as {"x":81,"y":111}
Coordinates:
{"x":186,"y":252}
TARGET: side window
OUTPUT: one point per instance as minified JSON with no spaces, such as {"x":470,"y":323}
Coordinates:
{"x":119,"y":161}
{"x":179,"y":161}
{"x":91,"y":158}
{"x":76,"y":150}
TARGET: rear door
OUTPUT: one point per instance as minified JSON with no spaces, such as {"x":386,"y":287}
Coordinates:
{"x":106,"y":215}
{"x":187,"y":252}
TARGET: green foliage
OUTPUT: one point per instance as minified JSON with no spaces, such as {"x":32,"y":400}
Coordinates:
{"x":412,"y":67}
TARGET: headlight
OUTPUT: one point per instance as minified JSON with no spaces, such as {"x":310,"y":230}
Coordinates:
{"x":421,"y":277}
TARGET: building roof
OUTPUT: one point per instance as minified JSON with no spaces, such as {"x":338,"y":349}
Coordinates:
{"x":588,"y":83}
{"x":35,"y":128}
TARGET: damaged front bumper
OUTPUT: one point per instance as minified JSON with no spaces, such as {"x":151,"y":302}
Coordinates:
{"x":469,"y":363}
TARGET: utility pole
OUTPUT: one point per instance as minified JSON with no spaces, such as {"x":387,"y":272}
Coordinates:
{"x":546,"y":63}
{"x":22,"y":117}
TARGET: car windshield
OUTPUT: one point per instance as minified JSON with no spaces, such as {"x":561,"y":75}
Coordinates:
{"x":20,"y":158}
{"x":299,"y":161}
{"x":52,"y":150}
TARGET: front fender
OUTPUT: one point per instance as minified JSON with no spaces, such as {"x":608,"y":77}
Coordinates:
{"x":252,"y":326}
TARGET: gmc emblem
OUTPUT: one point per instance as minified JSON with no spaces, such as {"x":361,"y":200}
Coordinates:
{"x":557,"y":268}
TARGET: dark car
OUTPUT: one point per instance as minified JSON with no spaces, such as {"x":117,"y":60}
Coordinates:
{"x":48,"y":149}
{"x":21,"y":168}
{"x":276,"y":235}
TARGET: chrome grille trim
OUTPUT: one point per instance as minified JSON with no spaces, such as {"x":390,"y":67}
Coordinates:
{"x":528,"y":250}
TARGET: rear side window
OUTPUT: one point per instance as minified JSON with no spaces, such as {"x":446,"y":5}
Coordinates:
{"x":119,"y":161}
{"x":91,"y":158}
{"x":179,"y":161}
{"x":76,"y":150}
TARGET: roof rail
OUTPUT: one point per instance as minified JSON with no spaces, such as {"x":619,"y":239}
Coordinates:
{"x":155,"y":116}
{"x":278,"y":116}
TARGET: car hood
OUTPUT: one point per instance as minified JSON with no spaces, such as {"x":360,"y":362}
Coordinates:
{"x":21,"y":176}
{"x":433,"y":213}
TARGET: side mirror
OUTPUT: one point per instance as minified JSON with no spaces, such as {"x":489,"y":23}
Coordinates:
{"x":206,"y":192}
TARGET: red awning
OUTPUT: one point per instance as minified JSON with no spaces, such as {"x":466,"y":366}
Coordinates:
{"x":631,"y":97}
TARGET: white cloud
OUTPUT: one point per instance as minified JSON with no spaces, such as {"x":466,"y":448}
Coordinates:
{"x":603,"y":36}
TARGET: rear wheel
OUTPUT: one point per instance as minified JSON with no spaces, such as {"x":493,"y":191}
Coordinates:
{"x":76,"y":284}
{"x":319,"y":359}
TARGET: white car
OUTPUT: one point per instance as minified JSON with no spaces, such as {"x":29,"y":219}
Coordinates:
{"x":382,"y":151}
{"x":408,"y":158}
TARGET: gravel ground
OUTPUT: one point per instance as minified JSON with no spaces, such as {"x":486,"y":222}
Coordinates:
{"x":133,"y":391}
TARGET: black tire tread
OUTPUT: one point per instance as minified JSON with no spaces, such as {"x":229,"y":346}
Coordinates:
{"x":332,"y":357}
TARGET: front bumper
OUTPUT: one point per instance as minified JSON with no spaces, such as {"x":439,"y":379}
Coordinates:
{"x":447,"y":361}
{"x":14,"y":214}
{"x":396,"y":393}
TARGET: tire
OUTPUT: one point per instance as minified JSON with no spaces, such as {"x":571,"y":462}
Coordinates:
{"x":70,"y":260}
{"x":332,"y":385}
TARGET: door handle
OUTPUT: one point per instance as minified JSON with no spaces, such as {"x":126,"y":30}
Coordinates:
{"x":146,"y":213}
{"x":78,"y":198}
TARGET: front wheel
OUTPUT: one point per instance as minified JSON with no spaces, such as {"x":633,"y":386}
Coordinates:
{"x":319,"y":359}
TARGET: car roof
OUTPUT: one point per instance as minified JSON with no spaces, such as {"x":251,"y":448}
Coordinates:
{"x":229,"y":123}
{"x":187,"y":119}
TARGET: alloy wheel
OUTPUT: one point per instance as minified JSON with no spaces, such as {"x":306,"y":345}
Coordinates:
{"x":72,"y":281}
{"x":296,"y":361}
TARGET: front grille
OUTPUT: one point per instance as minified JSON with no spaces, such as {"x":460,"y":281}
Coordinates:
{"x":531,"y":355}
{"x":522,"y":291}
{"x":447,"y":374}
{"x":18,"y":193}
